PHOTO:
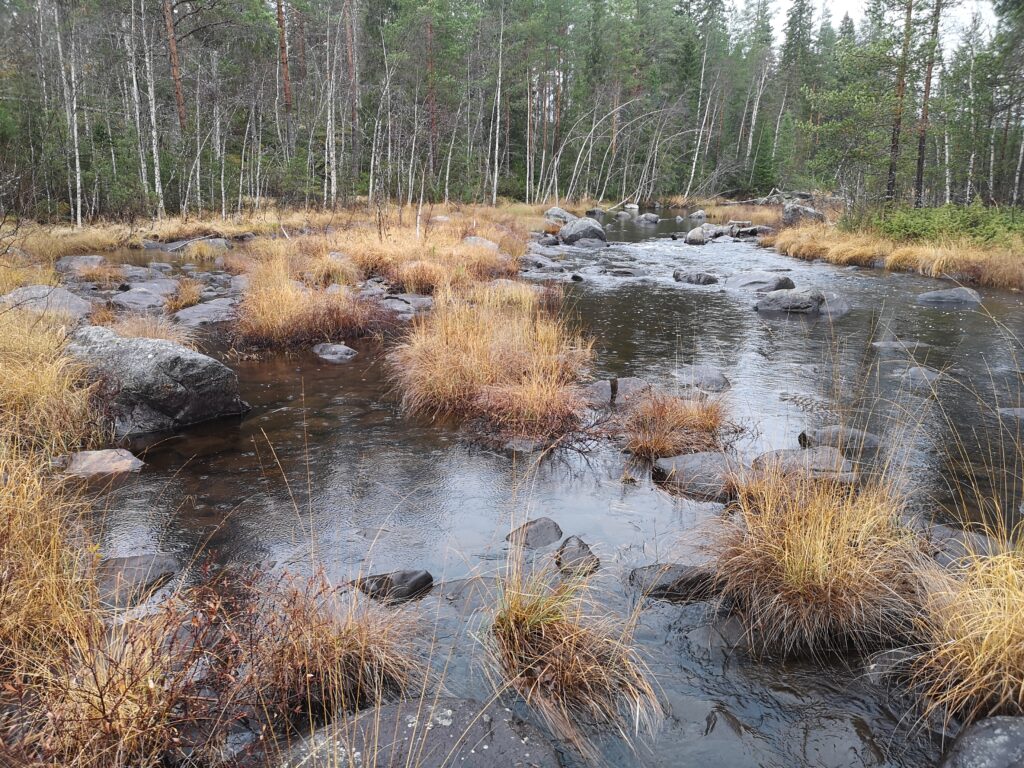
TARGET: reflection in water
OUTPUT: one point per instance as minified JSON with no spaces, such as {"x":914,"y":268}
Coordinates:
{"x":325,"y":468}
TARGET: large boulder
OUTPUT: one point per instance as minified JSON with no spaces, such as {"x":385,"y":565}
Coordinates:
{"x":48,"y":299}
{"x":648,"y":218}
{"x":153,"y":385}
{"x":580,"y":229}
{"x":993,"y":742}
{"x":707,"y":378}
{"x":959,"y":296}
{"x":560,"y":215}
{"x":397,"y":586}
{"x":207,"y":313}
{"x":78,"y":264}
{"x":536,"y":533}
{"x":838,"y":436}
{"x":794,"y":213}
{"x":433,"y":732}
{"x":791,"y":301}
{"x":759,"y":282}
{"x":821,"y":463}
{"x":694,"y":277}
{"x":700,"y":476}
{"x":696,"y":236}
{"x":147,"y":297}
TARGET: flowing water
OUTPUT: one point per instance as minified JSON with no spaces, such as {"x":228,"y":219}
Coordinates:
{"x":325,"y":469}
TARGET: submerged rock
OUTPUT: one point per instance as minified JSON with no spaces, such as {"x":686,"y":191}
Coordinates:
{"x":993,"y":742}
{"x":707,"y":378}
{"x":821,"y":463}
{"x":536,"y":533}
{"x":432,"y":732}
{"x":909,"y":346}
{"x":676,"y":582}
{"x":960,"y":295}
{"x":694,"y":277}
{"x":579,"y":229}
{"x":791,"y":301}
{"x":920,"y":377}
{"x":126,"y":581}
{"x":112,"y":461}
{"x":838,"y":436}
{"x":154,"y":385}
{"x":834,"y":306}
{"x":759,"y":282}
{"x":49,"y":299}
{"x":575,"y":558}
{"x":701,"y":476}
{"x":334,"y":353}
{"x":698,"y":215}
{"x":396,"y":586}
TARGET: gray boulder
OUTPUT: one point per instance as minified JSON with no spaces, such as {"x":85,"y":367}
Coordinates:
{"x":676,"y":582}
{"x":700,"y":476}
{"x":207,"y":313}
{"x":794,"y":213}
{"x":838,"y":436}
{"x":334,"y":353}
{"x":397,"y":586}
{"x":47,"y":299}
{"x":993,"y":742}
{"x":432,"y":732}
{"x":648,"y":218}
{"x":112,"y":461}
{"x":707,"y":378}
{"x":596,"y":213}
{"x":821,"y":463}
{"x":698,"y":215}
{"x":536,"y":533}
{"x":481,"y":242}
{"x":560,"y":215}
{"x":959,"y":296}
{"x":754,"y":231}
{"x":623,"y":215}
{"x":694,"y":277}
{"x":153,"y":385}
{"x":575,"y":558}
{"x":146,"y":297}
{"x":78,"y":264}
{"x":695,"y":236}
{"x":126,"y":581}
{"x":580,"y":229}
{"x":759,"y":282}
{"x":791,"y":301}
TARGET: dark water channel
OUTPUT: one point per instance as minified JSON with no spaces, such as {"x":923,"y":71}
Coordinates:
{"x":325,"y":470}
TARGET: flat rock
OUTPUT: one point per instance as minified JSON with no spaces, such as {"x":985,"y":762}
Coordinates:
{"x":580,"y":229}
{"x":993,"y":742}
{"x":396,"y":586}
{"x":432,"y":732}
{"x":759,"y":282}
{"x":791,"y":301}
{"x":148,"y":296}
{"x":838,"y":436}
{"x":152,"y":385}
{"x":821,"y":463}
{"x":126,"y":581}
{"x":707,"y":378}
{"x":207,"y":313}
{"x":48,"y":299}
{"x":627,"y":388}
{"x":112,"y":461}
{"x":598,"y":394}
{"x":1013,"y":413}
{"x":334,"y":353}
{"x":694,"y":277}
{"x":961,"y":295}
{"x":575,"y":558}
{"x":676,"y":582}
{"x":701,"y":476}
{"x":536,"y":533}
{"x":78,"y":264}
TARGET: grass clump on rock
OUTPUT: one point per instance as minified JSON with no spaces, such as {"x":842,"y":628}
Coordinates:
{"x":661,"y":424}
{"x":498,"y":353}
{"x":973,"y":628}
{"x":153,"y":327}
{"x":187,"y":294}
{"x":815,"y":566}
{"x":576,"y":669}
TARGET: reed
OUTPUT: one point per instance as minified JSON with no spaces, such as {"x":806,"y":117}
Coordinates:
{"x":188,"y":294}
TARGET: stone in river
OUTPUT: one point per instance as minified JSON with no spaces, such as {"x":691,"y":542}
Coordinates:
{"x":821,"y":463}
{"x":536,"y":533}
{"x":701,"y":476}
{"x":676,"y":582}
{"x":125,"y":581}
{"x":708,"y":378}
{"x":758,"y":281}
{"x":334,"y":353}
{"x":694,"y":277}
{"x":961,"y":295}
{"x":574,"y":557}
{"x":112,"y":461}
{"x":992,"y":742}
{"x":396,"y":586}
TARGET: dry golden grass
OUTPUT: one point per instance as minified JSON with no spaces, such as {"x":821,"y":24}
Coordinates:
{"x":277,"y":311}
{"x":813,"y":567}
{"x":576,"y":667}
{"x":188,"y":293}
{"x":660,"y":424}
{"x":105,"y":276}
{"x":153,"y":327}
{"x":45,"y":397}
{"x":766,"y":215}
{"x":17,"y":270}
{"x":973,"y":627}
{"x":47,"y":244}
{"x":961,"y":260}
{"x":497,"y":353}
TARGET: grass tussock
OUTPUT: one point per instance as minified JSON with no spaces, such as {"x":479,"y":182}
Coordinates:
{"x":661,"y":424}
{"x":279,"y":311}
{"x":188,"y":293}
{"x":763,"y":215}
{"x":17,"y":270}
{"x":496,"y":352}
{"x":106,"y":276}
{"x":813,"y":567}
{"x":960,"y":259}
{"x":973,"y":626}
{"x":575,"y":667}
{"x":153,"y":327}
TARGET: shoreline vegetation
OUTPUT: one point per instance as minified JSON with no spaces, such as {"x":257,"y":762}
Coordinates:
{"x":811,"y":566}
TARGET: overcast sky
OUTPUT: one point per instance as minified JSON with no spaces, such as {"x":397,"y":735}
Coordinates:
{"x":956,"y":18}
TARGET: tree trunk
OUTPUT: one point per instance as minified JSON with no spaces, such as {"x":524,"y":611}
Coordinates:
{"x":901,"y":89}
{"x":922,"y":128}
{"x":282,"y":46}
{"x":172,"y":53}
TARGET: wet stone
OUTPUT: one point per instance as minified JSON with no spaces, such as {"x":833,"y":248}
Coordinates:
{"x":47,"y":299}
{"x":707,"y":378}
{"x":575,"y":557}
{"x":838,"y":436}
{"x":676,"y":582}
{"x":540,"y":532}
{"x":994,"y":742}
{"x":207,"y":313}
{"x":126,"y":581}
{"x":759,"y":282}
{"x":821,"y":463}
{"x":694,"y":277}
{"x":598,"y":394}
{"x":396,"y":586}
{"x":961,"y":295}
{"x":791,"y":301}
{"x":334,"y":353}
{"x":921,"y":378}
{"x":701,"y":476}
{"x":112,"y":461}
{"x":428,"y":733}
{"x":629,"y":388}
